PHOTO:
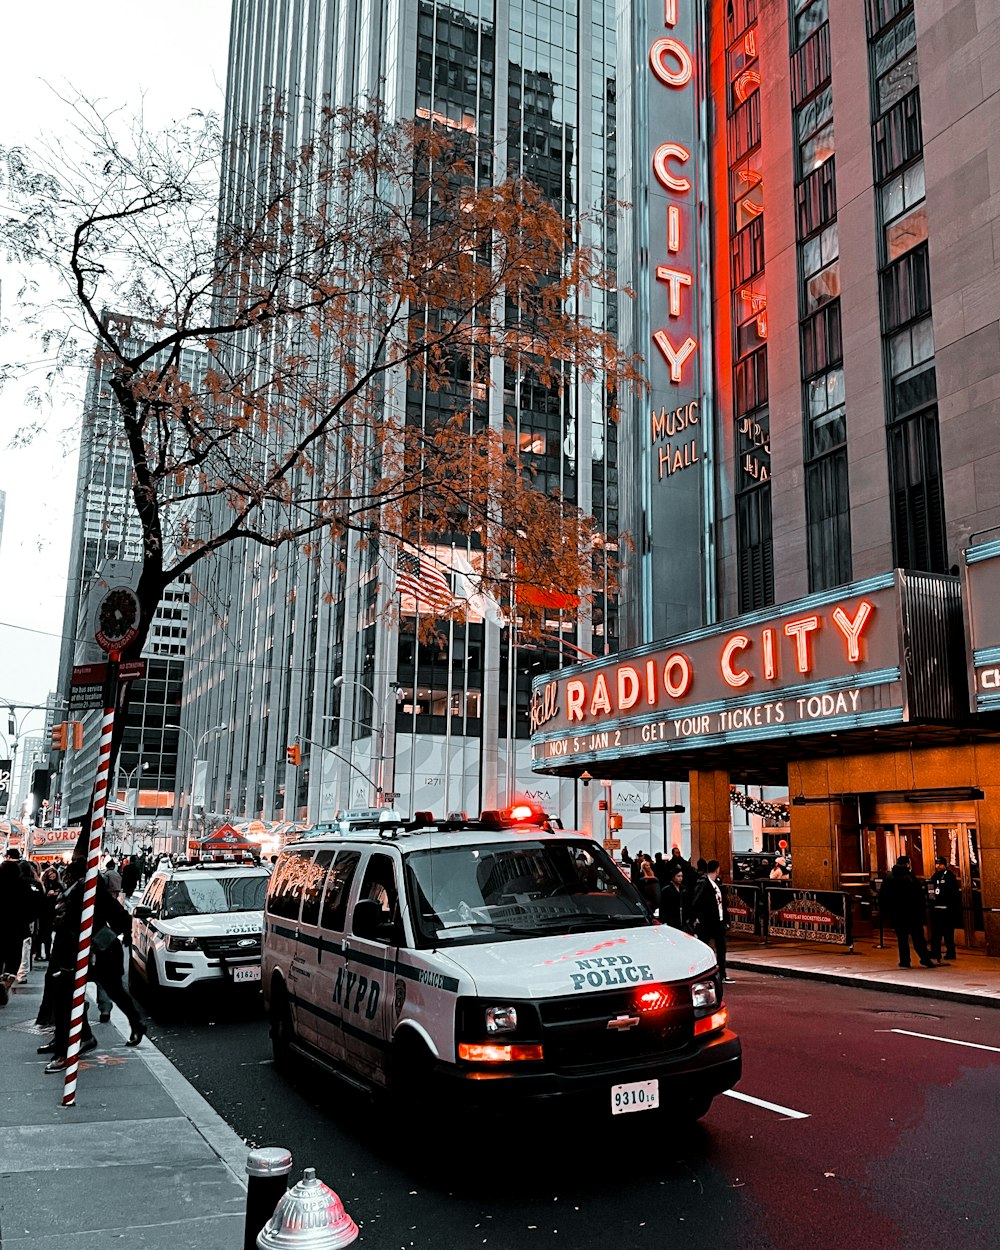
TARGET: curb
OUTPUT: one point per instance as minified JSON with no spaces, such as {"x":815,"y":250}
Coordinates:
{"x":864,"y":983}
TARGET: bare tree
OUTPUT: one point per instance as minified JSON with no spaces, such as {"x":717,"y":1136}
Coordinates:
{"x":328,"y":279}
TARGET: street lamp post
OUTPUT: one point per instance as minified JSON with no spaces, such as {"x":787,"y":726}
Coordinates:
{"x":215,"y":729}
{"x":133,"y":802}
{"x":379,"y":786}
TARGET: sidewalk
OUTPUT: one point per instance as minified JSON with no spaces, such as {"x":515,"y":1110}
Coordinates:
{"x":973,"y":977}
{"x":142,"y":1160}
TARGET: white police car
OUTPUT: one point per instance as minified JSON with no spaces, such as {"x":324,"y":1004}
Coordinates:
{"x":495,"y":959}
{"x":199,"y":923}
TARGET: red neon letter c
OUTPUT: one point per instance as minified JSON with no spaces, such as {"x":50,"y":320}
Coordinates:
{"x":671,"y":152}
{"x":734,"y":677}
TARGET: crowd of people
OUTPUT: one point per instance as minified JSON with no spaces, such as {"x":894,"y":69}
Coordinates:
{"x":685,"y":896}
{"x":40,"y":918}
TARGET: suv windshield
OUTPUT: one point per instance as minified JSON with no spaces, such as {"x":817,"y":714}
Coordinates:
{"x":201,"y":896}
{"x":523,"y":889}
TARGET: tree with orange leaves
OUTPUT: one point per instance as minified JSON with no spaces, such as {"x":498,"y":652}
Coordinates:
{"x":362,"y":261}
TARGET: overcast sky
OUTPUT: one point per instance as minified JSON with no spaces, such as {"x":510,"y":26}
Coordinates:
{"x":171,"y":59}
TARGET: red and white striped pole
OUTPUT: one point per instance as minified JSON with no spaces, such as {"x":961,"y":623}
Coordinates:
{"x":90,"y":883}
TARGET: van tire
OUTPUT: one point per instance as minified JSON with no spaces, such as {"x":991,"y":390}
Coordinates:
{"x":282,"y":1030}
{"x":410,"y":1072}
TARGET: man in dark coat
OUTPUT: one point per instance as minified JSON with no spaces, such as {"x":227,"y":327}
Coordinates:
{"x":708,"y":913}
{"x":687,"y":868}
{"x":902,"y":904}
{"x":130,"y":876}
{"x":110,"y":920}
{"x":17,"y":911}
{"x":944,"y":895}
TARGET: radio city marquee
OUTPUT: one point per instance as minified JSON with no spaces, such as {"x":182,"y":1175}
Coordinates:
{"x":832,"y":661}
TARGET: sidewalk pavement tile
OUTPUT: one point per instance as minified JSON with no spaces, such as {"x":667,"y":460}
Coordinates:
{"x":141,"y":1159}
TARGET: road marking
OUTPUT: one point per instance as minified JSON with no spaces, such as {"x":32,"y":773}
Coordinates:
{"x":950,"y":1040}
{"x":768,"y":1106}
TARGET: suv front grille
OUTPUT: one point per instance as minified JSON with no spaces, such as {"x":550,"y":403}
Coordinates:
{"x":576,"y":1032}
{"x":233,"y":946}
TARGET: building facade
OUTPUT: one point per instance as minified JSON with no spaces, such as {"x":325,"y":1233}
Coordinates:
{"x":855,"y":206}
{"x":299,"y":652}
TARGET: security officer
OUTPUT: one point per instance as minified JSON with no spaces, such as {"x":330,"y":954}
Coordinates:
{"x":944,"y":895}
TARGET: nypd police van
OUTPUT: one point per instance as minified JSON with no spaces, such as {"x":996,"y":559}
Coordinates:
{"x":495,"y":958}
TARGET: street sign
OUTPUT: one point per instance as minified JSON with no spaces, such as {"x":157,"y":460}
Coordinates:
{"x":97,"y":674}
{"x":87,"y":698}
{"x":390,"y":795}
{"x":612,"y":844}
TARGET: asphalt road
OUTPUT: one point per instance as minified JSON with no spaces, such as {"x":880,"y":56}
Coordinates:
{"x":878,"y":1138}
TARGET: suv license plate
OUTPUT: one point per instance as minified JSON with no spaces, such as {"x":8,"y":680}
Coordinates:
{"x":638,"y":1096}
{"x":249,"y":973}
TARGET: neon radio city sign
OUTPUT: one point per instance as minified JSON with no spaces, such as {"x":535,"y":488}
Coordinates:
{"x":673,"y":67}
{"x":743,"y":663}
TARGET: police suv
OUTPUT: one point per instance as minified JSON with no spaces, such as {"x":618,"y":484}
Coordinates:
{"x":198,"y":923}
{"x":495,"y":958}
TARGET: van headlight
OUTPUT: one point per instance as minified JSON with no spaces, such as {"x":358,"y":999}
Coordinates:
{"x":174,"y":943}
{"x":501,"y":1019}
{"x":704,"y":995}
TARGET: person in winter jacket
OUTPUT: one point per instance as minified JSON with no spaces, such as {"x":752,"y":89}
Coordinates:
{"x":901,"y":901}
{"x":674,"y":905}
{"x":110,"y":920}
{"x":709,"y":917}
{"x":944,"y":895}
{"x":17,"y":911}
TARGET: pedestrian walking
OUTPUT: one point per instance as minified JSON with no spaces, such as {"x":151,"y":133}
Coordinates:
{"x":708,"y":913}
{"x":686,"y":867}
{"x":107,"y":962}
{"x":674,"y":905}
{"x":902,"y":903}
{"x":17,"y":906}
{"x":130,"y":876}
{"x":112,"y":878}
{"x":944,"y":895}
{"x":649,"y":887}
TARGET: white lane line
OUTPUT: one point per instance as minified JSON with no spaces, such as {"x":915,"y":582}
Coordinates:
{"x":768,"y":1106}
{"x":950,"y":1040}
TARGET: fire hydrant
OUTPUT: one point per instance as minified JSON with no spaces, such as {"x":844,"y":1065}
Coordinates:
{"x":310,"y":1216}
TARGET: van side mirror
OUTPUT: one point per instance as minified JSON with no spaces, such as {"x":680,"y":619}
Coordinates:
{"x":367,"y":919}
{"x":141,"y":912}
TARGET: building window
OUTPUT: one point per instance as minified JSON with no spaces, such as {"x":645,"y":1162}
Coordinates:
{"x":755,"y":548}
{"x":809,"y":16}
{"x":751,"y":382}
{"x":811,"y":65}
{"x":814,"y":131}
{"x":828,"y":521}
{"x":816,"y":199}
{"x":898,"y":139}
{"x":882,"y":12}
{"x":748,"y":253}
{"x":906,"y":289}
{"x":820,"y":340}
{"x":747,"y":190}
{"x":827,"y":424}
{"x":917,"y":493}
{"x":820,"y":269}
{"x":904,"y":212}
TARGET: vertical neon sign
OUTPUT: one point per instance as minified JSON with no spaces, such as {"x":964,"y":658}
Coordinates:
{"x":675,"y":333}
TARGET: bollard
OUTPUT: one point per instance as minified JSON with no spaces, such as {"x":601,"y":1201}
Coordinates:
{"x":267,"y":1170}
{"x":310,"y":1216}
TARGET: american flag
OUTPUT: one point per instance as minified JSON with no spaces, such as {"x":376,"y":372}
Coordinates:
{"x":423,"y":580}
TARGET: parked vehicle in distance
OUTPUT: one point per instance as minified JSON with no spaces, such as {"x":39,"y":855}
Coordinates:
{"x":199,"y":924}
{"x":490,"y":960}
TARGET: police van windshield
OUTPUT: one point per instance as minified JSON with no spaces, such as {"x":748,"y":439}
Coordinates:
{"x":202,"y":896}
{"x":525,"y":889}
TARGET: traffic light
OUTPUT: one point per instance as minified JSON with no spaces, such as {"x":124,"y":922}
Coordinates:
{"x":294,"y":753}
{"x":59,"y":736}
{"x":615,"y":820}
{"x":77,"y":734}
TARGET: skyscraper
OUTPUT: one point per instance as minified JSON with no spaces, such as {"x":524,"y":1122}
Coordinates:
{"x":286,"y":650}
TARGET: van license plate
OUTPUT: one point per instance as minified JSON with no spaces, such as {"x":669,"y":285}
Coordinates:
{"x":638,"y":1096}
{"x":250,"y":973}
